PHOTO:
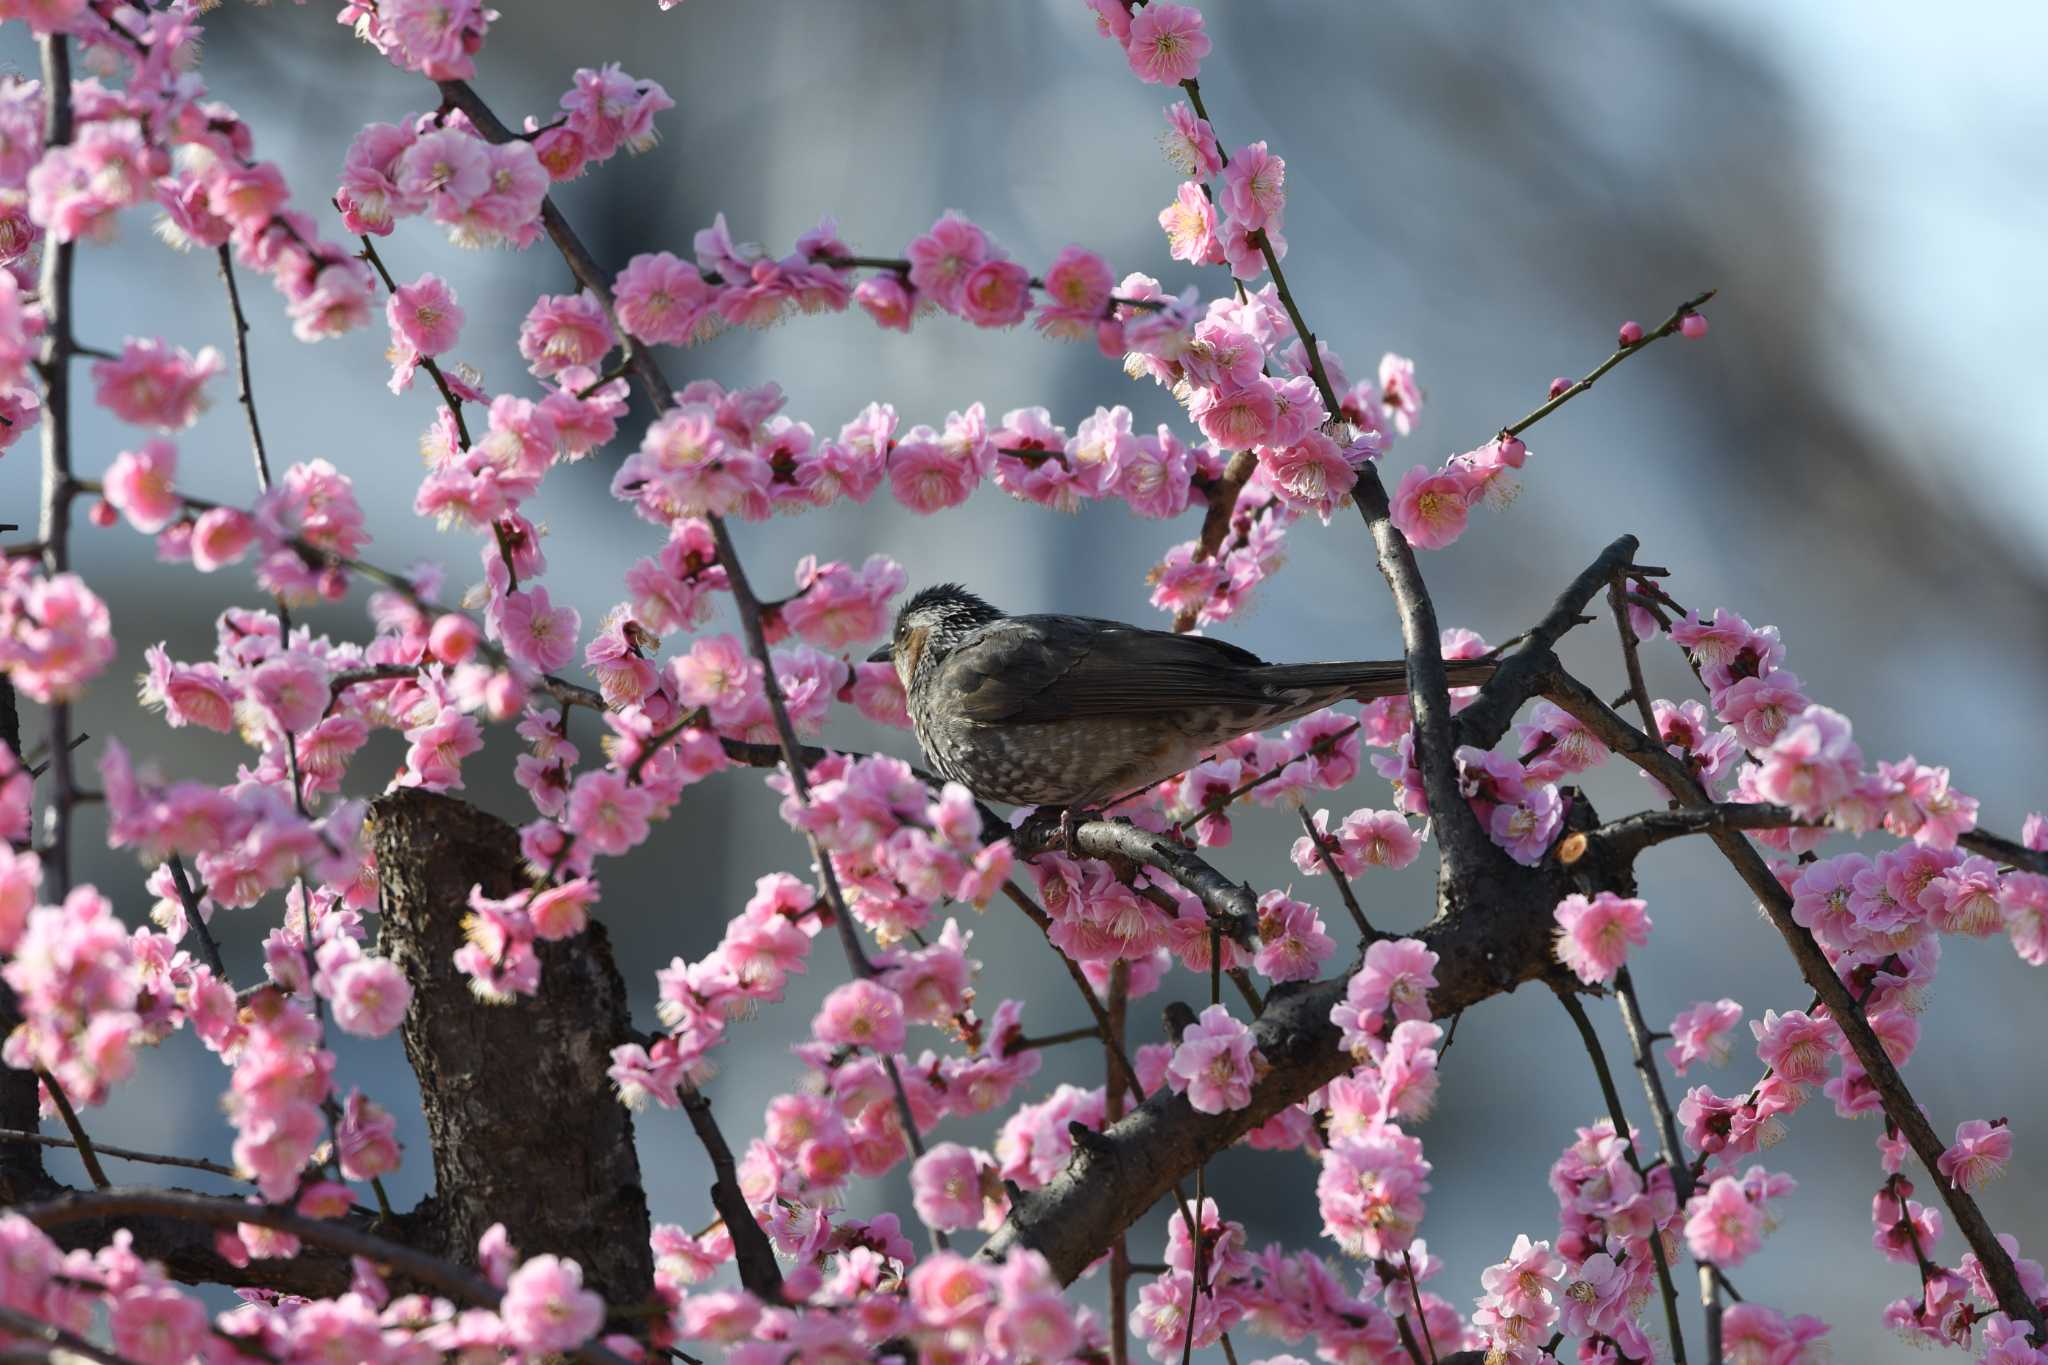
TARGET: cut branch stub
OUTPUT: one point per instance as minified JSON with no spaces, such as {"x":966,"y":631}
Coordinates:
{"x":524,"y":1126}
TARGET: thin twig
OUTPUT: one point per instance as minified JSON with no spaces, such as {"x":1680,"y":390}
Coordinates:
{"x":56,"y":1344}
{"x":195,"y":920}
{"x":1628,"y":1147}
{"x":1365,"y":930}
{"x":1663,"y":329}
{"x":244,"y":393}
{"x":93,"y":1170}
{"x":1899,"y":1104}
{"x":123,"y":1153}
{"x":760,"y":1274}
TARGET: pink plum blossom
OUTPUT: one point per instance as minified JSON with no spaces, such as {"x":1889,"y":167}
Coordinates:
{"x":1722,"y":1225}
{"x":1215,"y":1063}
{"x":1979,"y":1154}
{"x":1431,"y":509}
{"x":546,"y":1308}
{"x":1593,"y":936}
{"x":1702,"y":1032}
{"x":1166,"y":43}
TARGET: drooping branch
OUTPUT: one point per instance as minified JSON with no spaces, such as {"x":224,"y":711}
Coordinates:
{"x":1899,"y":1104}
{"x":1625,"y":1135}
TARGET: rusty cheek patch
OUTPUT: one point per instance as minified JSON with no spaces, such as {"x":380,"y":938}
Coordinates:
{"x":908,"y":653}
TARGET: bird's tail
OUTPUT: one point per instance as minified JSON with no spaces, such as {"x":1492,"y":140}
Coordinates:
{"x":1363,"y":681}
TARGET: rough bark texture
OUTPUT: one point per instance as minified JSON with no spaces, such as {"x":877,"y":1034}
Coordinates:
{"x":524,"y":1126}
{"x":21,"y":1163}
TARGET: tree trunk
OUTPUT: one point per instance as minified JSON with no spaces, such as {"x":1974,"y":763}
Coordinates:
{"x":524,"y":1125}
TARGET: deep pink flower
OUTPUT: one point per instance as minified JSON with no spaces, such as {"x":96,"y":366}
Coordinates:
{"x":1190,"y":142}
{"x":663,"y":299}
{"x":861,"y":1014}
{"x":2023,"y":899}
{"x":888,"y":299}
{"x":1166,"y":43}
{"x":1593,"y":937}
{"x":1812,"y":762}
{"x":1400,"y":395}
{"x":424,"y":315}
{"x":563,"y":330}
{"x":995,"y":294}
{"x":942,"y":259}
{"x":946,"y":1186}
{"x":1190,"y":226}
{"x":536,"y":632}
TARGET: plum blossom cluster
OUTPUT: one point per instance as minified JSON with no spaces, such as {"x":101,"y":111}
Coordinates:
{"x":484,"y":193}
{"x":542,"y":1310}
{"x":159,"y":140}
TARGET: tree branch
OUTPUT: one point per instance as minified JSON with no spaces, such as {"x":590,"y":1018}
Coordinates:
{"x":1625,"y":1135}
{"x":1899,"y":1104}
{"x":1233,"y":905}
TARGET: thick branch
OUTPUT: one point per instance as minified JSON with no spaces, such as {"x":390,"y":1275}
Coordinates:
{"x":1525,"y":669}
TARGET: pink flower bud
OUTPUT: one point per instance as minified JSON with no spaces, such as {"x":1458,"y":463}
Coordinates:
{"x":1693,"y":326}
{"x":1559,"y":385}
{"x":103,"y":515}
{"x":1631,"y":333}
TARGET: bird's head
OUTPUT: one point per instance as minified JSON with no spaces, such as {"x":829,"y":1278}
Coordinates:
{"x":930,"y":625}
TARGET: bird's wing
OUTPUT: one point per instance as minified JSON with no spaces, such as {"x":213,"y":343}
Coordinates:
{"x":1030,"y":669}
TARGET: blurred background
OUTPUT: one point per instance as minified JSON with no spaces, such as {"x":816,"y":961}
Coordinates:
{"x":1489,"y":190}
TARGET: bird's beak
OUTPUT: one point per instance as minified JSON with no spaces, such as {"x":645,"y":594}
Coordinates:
{"x":886,"y":654}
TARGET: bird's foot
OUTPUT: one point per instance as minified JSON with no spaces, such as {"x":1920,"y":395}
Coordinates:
{"x":1067,"y":830}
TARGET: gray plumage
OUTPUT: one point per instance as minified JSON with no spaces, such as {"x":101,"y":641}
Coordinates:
{"x":1074,"y":711}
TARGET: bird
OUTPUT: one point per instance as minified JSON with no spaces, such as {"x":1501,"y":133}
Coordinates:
{"x":1074,"y":712}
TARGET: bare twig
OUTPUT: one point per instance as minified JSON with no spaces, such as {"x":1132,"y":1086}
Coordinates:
{"x":1663,"y":329}
{"x":124,"y":1153}
{"x":54,"y":1343}
{"x":93,"y":1170}
{"x":189,"y":898}
{"x":244,"y":394}
{"x":59,"y":488}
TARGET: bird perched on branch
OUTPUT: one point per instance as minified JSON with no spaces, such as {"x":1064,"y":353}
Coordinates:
{"x":1072,"y":711}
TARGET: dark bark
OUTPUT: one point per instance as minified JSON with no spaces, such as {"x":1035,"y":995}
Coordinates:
{"x":524,"y":1126}
{"x":21,"y":1163}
